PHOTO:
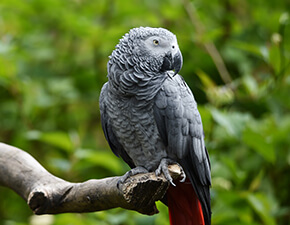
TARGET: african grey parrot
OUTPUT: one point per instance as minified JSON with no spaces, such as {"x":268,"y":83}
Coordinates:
{"x":150,"y":119}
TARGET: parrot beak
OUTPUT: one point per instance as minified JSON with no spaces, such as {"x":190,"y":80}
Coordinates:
{"x":177,"y":62}
{"x":172,"y":62}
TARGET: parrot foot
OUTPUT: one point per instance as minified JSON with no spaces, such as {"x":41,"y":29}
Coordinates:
{"x":132,"y":172}
{"x":163,"y":168}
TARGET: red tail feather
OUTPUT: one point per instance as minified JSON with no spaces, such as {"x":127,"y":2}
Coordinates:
{"x":184,"y":206}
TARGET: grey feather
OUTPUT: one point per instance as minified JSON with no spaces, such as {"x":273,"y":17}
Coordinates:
{"x":116,"y":147}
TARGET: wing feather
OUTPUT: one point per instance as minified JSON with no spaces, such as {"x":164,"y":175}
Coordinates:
{"x":180,"y":127}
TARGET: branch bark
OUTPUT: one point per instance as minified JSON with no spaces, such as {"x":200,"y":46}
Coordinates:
{"x":48,"y":194}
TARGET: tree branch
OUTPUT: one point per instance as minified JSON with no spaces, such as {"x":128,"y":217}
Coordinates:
{"x":208,"y":45}
{"x":48,"y":194}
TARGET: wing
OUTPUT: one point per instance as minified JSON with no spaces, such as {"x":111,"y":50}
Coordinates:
{"x":114,"y":144}
{"x":180,"y":127}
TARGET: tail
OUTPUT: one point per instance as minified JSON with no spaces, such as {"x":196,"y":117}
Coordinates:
{"x":184,"y":206}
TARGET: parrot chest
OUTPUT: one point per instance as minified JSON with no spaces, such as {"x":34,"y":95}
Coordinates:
{"x":136,"y":130}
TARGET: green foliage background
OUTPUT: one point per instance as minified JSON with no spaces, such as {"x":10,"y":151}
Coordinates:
{"x":53,"y":57}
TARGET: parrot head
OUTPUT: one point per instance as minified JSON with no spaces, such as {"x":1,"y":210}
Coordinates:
{"x":148,"y":49}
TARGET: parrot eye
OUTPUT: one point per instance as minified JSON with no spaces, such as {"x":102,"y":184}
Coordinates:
{"x":155,"y":42}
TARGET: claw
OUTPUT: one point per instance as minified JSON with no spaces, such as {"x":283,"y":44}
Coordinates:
{"x":132,"y":172}
{"x":171,"y":182}
{"x":183,"y":175}
{"x":163,"y":168}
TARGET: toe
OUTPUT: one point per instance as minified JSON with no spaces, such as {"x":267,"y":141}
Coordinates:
{"x":132,"y":172}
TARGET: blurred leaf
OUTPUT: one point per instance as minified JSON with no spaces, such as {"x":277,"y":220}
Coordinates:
{"x":56,"y":139}
{"x":250,"y":84}
{"x":233,"y":122}
{"x":256,"y":182}
{"x":105,"y":159}
{"x":206,"y":119}
{"x":59,"y":164}
{"x":260,"y":144}
{"x":41,"y":220}
{"x":220,"y":182}
{"x":253,"y":49}
{"x":262,"y":206}
{"x":205,"y":79}
{"x":274,"y":59}
{"x":217,"y":95}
